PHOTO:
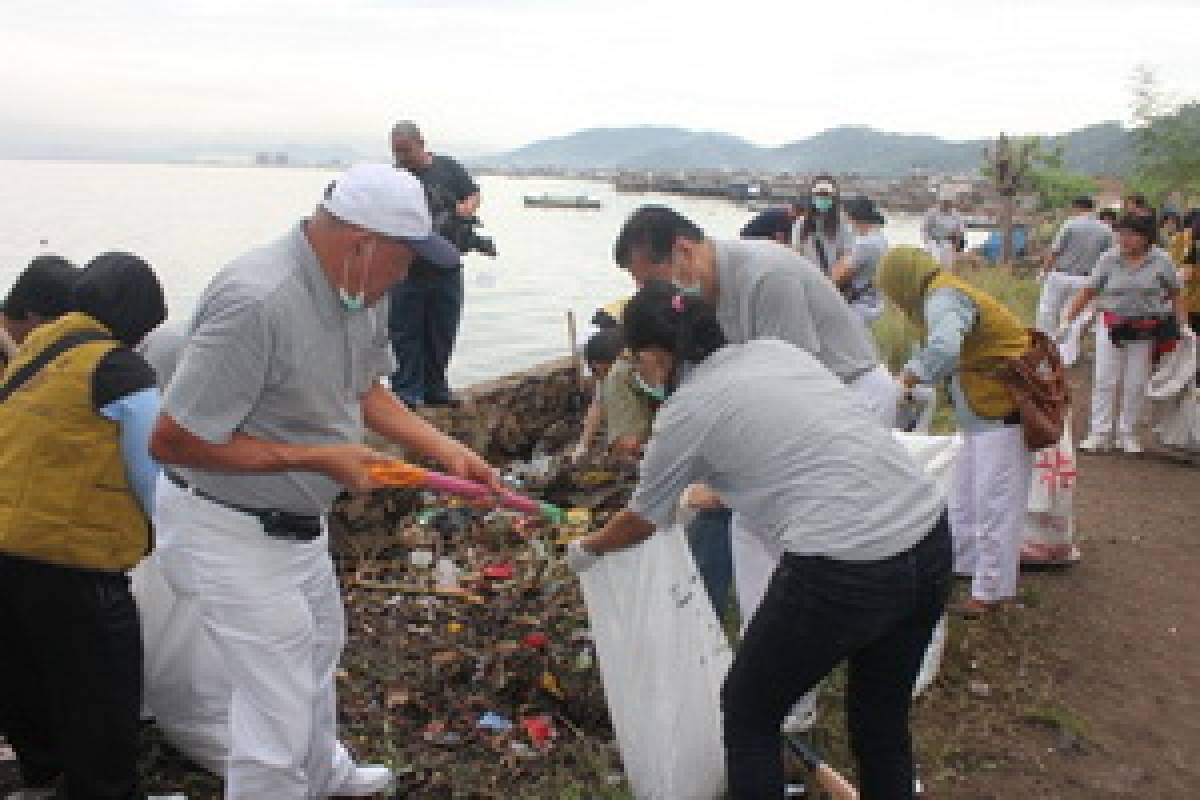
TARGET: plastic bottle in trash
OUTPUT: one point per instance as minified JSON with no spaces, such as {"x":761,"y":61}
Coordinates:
{"x":445,"y":575}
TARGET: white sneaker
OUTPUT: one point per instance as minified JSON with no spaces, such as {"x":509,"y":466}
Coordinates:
{"x":367,"y":781}
{"x":1096,"y":444}
{"x":1130,"y":444}
{"x":31,"y":794}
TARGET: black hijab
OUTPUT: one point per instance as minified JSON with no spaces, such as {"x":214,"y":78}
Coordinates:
{"x":120,"y":291}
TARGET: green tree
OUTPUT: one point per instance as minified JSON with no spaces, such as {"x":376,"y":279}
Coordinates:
{"x":1166,"y":138}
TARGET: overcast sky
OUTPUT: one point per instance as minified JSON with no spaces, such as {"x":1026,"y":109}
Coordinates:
{"x":487,"y":75}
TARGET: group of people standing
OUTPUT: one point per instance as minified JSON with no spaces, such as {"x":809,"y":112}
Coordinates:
{"x":742,"y":374}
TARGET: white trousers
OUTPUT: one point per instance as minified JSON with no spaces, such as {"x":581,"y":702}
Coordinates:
{"x":1128,"y":365}
{"x":1057,"y":290}
{"x":274,"y":614}
{"x":987,"y":509}
{"x":878,"y":389}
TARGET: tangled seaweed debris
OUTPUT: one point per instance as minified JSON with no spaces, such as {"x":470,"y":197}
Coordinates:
{"x":468,"y":665}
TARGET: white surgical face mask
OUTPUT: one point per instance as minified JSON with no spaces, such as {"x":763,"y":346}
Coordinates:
{"x":356,"y":302}
{"x":658,"y":393}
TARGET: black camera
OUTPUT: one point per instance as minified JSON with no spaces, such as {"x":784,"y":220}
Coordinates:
{"x":460,"y":232}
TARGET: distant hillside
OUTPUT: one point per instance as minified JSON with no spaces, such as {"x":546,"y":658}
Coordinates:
{"x":1097,"y":149}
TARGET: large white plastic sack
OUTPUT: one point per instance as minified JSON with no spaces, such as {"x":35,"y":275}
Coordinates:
{"x":1050,"y":513}
{"x":663,"y":655}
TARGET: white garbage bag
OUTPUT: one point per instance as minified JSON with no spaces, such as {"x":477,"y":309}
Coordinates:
{"x":663,"y":655}
{"x":1176,"y":398}
{"x":1180,"y":425}
{"x":1070,"y":347}
{"x":1050,"y":515}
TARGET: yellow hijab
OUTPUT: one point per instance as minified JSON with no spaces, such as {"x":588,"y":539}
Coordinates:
{"x":903,"y":275}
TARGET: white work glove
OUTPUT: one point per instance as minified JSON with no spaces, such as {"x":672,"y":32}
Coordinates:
{"x":1187,"y":332}
{"x":1064,"y":330}
{"x":579,"y":452}
{"x":579,"y":558}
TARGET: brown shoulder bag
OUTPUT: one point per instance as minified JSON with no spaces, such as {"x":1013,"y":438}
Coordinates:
{"x":1038,"y":385}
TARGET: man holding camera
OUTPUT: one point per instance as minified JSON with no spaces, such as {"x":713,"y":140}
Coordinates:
{"x":427,"y":307}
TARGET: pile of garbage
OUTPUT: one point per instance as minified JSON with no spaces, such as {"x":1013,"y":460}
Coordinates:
{"x":469,"y":665}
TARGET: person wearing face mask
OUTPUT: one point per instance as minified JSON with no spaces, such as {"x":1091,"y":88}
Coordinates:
{"x":760,"y":291}
{"x":855,"y":274}
{"x":865,"y":569}
{"x":943,"y":231}
{"x":822,"y":237}
{"x":261,"y":428}
{"x":76,"y":490}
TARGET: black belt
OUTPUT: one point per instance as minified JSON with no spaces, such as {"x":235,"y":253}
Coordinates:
{"x":276,"y":524}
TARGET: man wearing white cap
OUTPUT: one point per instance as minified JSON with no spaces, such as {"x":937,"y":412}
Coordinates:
{"x":261,"y":428}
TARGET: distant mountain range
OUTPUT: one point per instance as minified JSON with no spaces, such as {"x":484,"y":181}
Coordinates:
{"x":1102,"y":149}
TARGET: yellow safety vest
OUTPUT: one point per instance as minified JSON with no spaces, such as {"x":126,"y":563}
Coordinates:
{"x":64,"y":496}
{"x":997,"y":335}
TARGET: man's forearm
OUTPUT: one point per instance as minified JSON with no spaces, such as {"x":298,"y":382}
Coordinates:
{"x":172,"y":444}
{"x":385,"y":415}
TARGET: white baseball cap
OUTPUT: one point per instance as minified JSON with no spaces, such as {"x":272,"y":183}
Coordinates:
{"x":390,"y":201}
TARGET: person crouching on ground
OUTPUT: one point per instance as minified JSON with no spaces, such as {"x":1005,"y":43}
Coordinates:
{"x":776,"y":435}
{"x":1137,"y":290}
{"x":620,"y":407}
{"x":964,"y":331}
{"x":76,"y":488}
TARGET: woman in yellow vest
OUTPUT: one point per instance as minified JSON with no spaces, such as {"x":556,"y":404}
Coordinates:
{"x":76,"y":486}
{"x":965,"y":333}
{"x":1189,"y":273}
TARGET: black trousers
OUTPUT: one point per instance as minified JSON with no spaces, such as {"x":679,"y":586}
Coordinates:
{"x":423,"y":321}
{"x":71,"y":677}
{"x":879,"y":617}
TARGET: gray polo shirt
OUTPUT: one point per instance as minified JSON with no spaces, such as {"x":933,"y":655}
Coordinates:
{"x":765,"y":291}
{"x":1135,"y":293}
{"x":1079,"y":244}
{"x":270,"y":352}
{"x":790,"y":447}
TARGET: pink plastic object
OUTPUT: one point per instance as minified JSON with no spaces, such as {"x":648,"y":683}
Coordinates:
{"x":441,"y":482}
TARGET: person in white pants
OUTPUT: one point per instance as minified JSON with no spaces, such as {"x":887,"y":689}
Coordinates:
{"x":261,"y":429}
{"x":965,"y":332}
{"x":1073,"y":254}
{"x":1137,"y":291}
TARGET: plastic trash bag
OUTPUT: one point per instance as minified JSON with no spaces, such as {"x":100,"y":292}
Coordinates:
{"x":663,"y":655}
{"x":1071,"y":345}
{"x":1050,"y":513}
{"x":1180,"y":425}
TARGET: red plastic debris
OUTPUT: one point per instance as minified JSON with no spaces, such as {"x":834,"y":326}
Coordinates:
{"x":535,"y":641}
{"x":537,"y":729}
{"x":498,"y":572}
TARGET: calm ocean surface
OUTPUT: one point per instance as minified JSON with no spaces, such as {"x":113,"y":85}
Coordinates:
{"x":188,"y":221}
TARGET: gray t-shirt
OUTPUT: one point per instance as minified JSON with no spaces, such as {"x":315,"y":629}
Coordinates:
{"x":271,"y":353}
{"x":940,"y":225}
{"x":1079,"y":244}
{"x":1135,"y":293}
{"x":864,"y":261}
{"x":791,"y":448}
{"x":770,"y":292}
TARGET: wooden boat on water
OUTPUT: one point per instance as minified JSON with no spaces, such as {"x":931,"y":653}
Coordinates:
{"x":581,"y":201}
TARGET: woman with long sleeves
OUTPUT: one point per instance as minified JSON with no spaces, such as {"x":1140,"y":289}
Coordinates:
{"x":966,"y":333}
{"x":866,"y":566}
{"x":76,"y":485}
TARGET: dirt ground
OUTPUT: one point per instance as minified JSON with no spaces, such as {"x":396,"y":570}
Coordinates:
{"x":1090,"y":688}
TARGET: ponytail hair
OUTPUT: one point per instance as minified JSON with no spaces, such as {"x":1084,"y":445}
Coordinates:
{"x":660,"y":316}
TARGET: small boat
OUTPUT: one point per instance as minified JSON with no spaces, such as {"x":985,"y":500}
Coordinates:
{"x":561,"y":201}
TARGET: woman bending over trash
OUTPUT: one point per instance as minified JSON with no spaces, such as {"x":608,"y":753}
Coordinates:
{"x":866,"y":570}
